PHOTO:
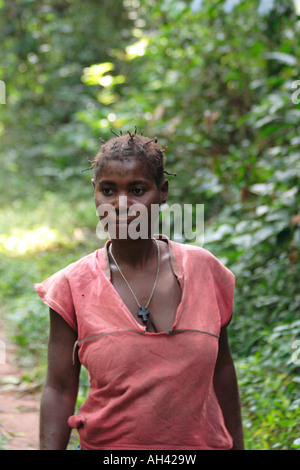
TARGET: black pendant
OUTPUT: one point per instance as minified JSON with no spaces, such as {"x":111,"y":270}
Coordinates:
{"x":143,"y":313}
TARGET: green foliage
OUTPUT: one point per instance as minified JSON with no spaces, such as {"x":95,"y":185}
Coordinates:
{"x":45,"y":46}
{"x":215,"y":81}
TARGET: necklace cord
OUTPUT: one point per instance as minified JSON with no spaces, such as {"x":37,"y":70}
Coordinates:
{"x":156,"y":277}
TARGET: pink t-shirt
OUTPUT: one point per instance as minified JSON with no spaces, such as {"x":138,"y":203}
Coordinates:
{"x":147,"y":390}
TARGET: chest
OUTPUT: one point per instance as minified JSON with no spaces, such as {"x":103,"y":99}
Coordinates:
{"x":164,"y":302}
{"x":124,"y":361}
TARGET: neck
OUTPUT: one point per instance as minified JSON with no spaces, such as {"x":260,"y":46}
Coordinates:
{"x":133,"y":252}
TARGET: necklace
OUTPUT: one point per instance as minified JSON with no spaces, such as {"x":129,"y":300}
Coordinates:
{"x":143,"y":312}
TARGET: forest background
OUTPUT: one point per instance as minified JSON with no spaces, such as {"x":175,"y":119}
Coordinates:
{"x":218,"y":83}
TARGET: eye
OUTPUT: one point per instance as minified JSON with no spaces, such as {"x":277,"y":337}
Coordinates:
{"x":138,"y":191}
{"x":107,"y":191}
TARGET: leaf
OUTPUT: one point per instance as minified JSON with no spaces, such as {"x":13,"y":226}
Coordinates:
{"x":262,"y":234}
{"x":137,"y":49}
{"x":262,"y":189}
{"x":93,"y":75}
{"x":296,"y":443}
{"x":282,"y":57}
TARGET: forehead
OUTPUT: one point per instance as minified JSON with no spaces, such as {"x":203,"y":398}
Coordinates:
{"x":129,"y":168}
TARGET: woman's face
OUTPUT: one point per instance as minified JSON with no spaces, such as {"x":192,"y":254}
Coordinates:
{"x":127,"y":198}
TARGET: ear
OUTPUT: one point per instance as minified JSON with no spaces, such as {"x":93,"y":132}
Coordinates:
{"x":164,"y":191}
{"x":93,"y":182}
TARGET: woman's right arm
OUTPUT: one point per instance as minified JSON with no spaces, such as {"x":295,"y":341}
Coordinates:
{"x":61,"y":388}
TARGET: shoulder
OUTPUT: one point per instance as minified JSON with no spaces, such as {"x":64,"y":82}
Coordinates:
{"x":200,"y":259}
{"x":80,"y":271}
{"x":86,"y":260}
{"x":83,"y":266}
{"x":196,"y":253}
{"x":202,"y":268}
{"x":60,"y":291}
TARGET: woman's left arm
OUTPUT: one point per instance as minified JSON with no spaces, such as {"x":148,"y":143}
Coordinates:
{"x":226,"y":388}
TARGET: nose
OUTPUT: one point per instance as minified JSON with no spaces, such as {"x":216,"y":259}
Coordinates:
{"x":121,"y":205}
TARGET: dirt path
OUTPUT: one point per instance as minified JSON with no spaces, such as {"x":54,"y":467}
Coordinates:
{"x":19,"y":406}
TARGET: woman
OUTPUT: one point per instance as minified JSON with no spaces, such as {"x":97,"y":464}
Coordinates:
{"x":147,"y":317}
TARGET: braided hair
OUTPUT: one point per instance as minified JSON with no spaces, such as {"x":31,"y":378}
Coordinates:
{"x":131,"y":145}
